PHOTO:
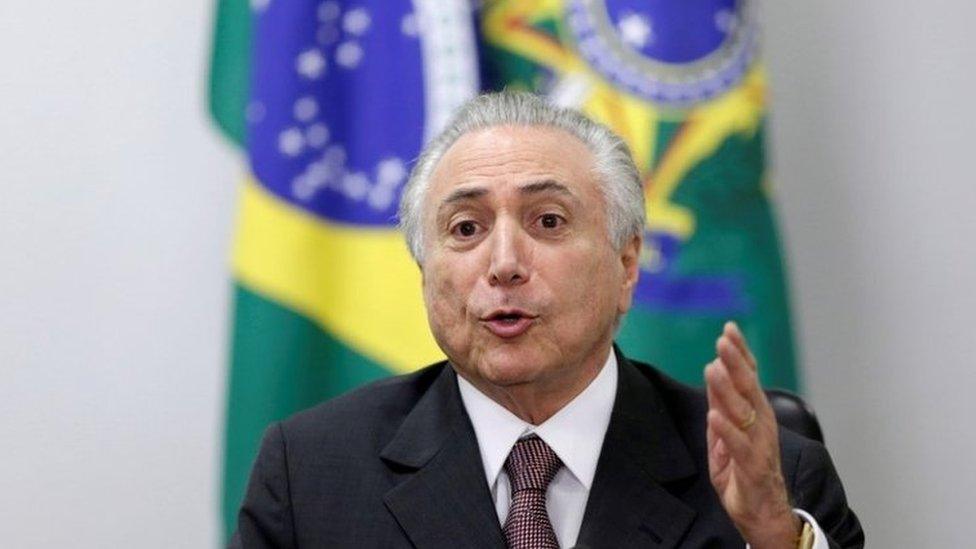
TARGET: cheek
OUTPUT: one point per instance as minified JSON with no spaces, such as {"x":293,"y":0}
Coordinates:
{"x":588,"y":286}
{"x":445,"y":295}
{"x":439,"y":294}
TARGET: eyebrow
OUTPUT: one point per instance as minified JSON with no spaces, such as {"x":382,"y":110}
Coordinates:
{"x":459,"y":195}
{"x":546,"y":185}
{"x":536,"y":187}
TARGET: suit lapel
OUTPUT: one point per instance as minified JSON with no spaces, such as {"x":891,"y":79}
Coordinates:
{"x":629,"y":503}
{"x":445,"y":501}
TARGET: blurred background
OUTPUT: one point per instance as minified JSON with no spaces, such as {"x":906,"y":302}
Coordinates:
{"x":117,"y":223}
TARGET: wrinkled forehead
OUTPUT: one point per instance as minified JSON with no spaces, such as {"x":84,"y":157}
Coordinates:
{"x":491,"y":158}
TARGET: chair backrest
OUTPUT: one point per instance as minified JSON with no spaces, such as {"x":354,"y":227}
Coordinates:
{"x":795,"y":414}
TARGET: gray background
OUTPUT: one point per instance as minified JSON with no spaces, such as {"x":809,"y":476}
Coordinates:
{"x":117,"y":211}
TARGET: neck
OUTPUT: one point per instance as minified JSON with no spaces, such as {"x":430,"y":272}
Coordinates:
{"x":535,"y":402}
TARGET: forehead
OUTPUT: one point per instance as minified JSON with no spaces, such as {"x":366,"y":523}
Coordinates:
{"x":513,"y":155}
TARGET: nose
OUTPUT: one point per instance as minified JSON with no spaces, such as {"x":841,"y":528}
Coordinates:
{"x":509,"y":261}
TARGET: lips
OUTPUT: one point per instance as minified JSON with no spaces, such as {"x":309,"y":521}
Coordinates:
{"x":508,"y":323}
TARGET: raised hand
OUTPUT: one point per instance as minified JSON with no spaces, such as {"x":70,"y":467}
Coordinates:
{"x":743,"y":447}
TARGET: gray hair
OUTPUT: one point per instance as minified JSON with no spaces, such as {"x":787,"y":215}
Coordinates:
{"x":620,"y":182}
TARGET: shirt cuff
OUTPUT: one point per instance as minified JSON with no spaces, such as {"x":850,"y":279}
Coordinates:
{"x":819,"y":538}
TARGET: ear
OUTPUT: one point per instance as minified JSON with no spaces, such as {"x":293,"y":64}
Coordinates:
{"x":630,"y":261}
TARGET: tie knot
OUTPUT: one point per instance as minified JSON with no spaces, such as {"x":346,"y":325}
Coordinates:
{"x":531,"y":465}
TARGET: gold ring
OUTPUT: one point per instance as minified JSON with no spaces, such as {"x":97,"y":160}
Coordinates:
{"x":748,"y":423}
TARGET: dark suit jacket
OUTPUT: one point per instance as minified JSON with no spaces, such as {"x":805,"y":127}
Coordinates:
{"x":396,"y":464}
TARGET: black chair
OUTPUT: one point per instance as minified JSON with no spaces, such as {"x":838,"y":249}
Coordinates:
{"x":795,"y":414}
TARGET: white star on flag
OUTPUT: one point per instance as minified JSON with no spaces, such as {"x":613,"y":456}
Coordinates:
{"x":310,"y":64}
{"x":329,"y":10}
{"x":348,"y":54}
{"x":305,"y":108}
{"x":635,"y":29}
{"x":409,"y":25}
{"x":356,"y":21}
{"x":291,"y":142}
{"x":317,"y":135}
{"x":725,"y":20}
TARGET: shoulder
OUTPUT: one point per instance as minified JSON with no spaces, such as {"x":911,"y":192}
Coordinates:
{"x":688,"y":407}
{"x":367,"y":416}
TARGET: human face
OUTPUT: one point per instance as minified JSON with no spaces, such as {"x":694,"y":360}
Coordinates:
{"x":521,"y":282}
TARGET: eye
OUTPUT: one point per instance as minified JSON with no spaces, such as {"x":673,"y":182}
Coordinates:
{"x":550,"y":220}
{"x":465,"y":229}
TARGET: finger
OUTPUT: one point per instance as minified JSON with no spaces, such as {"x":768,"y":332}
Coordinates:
{"x":726,"y":398}
{"x":711,"y":439}
{"x":721,"y":453}
{"x":710,"y":392}
{"x":713,"y":401}
{"x":743,"y":377}
{"x":718,"y":460}
{"x":732,"y":330}
{"x":736,"y":442}
{"x":718,"y":455}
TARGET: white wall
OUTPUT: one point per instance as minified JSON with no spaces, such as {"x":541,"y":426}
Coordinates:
{"x":874,"y":133}
{"x":115,"y":218}
{"x":117,"y":207}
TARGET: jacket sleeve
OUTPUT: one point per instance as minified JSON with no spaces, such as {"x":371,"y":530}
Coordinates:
{"x":817,"y":490}
{"x":265,"y":519}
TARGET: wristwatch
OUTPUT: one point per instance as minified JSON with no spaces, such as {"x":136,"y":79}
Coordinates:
{"x":806,"y":537}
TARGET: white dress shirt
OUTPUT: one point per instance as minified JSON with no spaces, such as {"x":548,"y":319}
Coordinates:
{"x":575,"y":433}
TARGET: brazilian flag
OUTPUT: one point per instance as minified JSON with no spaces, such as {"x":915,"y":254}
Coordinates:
{"x":331,"y":101}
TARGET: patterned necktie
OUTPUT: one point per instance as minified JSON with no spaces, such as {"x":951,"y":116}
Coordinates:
{"x":530,"y":467}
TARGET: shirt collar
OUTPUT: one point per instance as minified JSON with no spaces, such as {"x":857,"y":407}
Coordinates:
{"x":575,"y":433}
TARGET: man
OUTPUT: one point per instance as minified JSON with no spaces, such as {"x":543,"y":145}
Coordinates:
{"x":526,"y":221}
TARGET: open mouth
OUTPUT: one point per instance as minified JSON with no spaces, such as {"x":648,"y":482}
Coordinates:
{"x":508,"y":323}
{"x":507,"y":318}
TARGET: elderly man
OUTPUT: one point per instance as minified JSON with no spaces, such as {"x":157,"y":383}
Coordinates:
{"x":526,"y":221}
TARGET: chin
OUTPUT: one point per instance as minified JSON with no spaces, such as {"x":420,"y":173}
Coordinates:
{"x":510,"y":366}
